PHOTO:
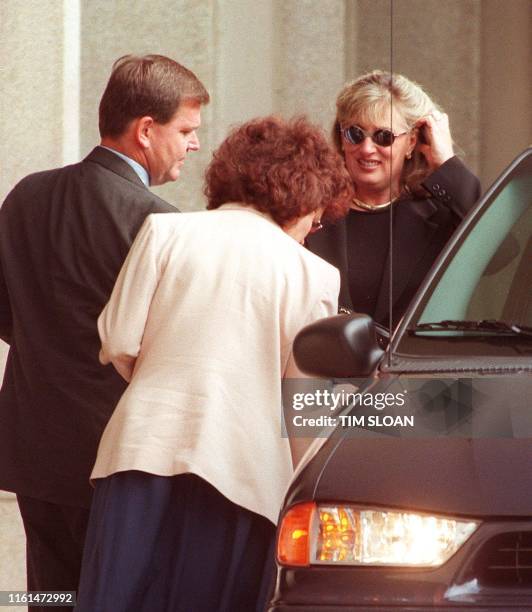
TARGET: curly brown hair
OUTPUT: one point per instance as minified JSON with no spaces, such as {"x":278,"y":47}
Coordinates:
{"x":285,"y":168}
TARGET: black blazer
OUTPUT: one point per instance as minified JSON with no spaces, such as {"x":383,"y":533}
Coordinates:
{"x":422,"y":226}
{"x":64,"y":235}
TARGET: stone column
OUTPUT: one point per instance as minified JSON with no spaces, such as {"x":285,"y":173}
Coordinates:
{"x":31,"y":99}
{"x":309,"y":57}
{"x":33,"y":71}
{"x":244,"y":73}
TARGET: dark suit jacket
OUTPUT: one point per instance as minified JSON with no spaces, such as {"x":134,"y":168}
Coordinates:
{"x":421,"y":228}
{"x":64,"y":235}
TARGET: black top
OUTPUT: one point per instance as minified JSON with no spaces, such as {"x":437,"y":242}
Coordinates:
{"x":367,"y":253}
{"x":421,"y":227}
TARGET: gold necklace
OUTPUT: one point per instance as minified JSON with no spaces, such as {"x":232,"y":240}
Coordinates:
{"x":373,"y":207}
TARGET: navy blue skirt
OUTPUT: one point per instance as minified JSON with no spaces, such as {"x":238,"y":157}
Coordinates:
{"x":173,"y":544}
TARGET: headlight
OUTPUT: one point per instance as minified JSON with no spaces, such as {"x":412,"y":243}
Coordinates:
{"x":351,"y":535}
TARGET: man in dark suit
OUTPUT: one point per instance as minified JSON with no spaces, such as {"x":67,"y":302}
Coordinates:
{"x":64,"y":235}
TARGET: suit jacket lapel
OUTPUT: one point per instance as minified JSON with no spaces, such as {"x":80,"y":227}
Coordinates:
{"x":115,"y":164}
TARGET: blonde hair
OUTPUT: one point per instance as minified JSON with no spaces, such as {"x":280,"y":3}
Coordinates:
{"x":373,"y":95}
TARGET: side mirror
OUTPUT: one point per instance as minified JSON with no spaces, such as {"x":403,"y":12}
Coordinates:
{"x":344,"y":346}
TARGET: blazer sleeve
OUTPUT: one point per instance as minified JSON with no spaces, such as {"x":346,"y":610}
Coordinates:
{"x":122,"y":322}
{"x":454,"y":186}
{"x":325,"y":306}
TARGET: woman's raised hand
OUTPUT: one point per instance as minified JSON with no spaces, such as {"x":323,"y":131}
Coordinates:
{"x":437,"y":134}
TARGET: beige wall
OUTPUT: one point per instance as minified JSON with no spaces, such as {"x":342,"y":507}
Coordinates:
{"x":31,"y":71}
{"x":282,"y":56}
{"x":434,"y":43}
{"x":506,"y":83}
{"x":309,"y":61}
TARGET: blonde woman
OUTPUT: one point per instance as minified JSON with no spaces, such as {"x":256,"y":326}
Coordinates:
{"x":398,"y":150}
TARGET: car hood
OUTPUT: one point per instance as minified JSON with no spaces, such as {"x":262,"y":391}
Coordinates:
{"x":473,"y":477}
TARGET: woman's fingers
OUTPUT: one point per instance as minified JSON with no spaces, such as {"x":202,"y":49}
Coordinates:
{"x":434,"y":130}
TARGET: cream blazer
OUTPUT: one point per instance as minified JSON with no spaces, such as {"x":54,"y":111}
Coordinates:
{"x":201,"y":322}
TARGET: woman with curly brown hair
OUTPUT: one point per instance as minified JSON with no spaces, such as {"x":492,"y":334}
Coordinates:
{"x":192,"y":467}
{"x":398,"y":150}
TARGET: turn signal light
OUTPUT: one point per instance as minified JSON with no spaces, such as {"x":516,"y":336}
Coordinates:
{"x":293,"y":543}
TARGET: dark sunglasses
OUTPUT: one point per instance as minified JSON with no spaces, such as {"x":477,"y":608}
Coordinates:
{"x":382,"y":137}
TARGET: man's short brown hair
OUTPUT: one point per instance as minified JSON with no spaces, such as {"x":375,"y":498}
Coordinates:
{"x":149,"y":85}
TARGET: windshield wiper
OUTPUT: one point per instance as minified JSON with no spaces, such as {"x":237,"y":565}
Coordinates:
{"x":485,"y":325}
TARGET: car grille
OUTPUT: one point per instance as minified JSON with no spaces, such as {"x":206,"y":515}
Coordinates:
{"x":506,"y":561}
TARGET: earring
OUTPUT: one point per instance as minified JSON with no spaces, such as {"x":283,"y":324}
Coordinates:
{"x":409,"y":155}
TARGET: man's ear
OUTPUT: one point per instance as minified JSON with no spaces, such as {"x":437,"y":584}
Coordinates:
{"x":142,"y":130}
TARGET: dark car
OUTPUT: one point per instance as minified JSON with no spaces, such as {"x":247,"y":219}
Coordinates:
{"x":420,"y":497}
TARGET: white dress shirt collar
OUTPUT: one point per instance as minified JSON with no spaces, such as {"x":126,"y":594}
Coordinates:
{"x":141,"y":171}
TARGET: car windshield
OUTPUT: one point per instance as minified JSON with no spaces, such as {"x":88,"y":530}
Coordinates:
{"x":484,"y":288}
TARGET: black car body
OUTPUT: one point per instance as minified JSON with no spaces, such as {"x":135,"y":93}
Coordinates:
{"x":437,"y":515}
